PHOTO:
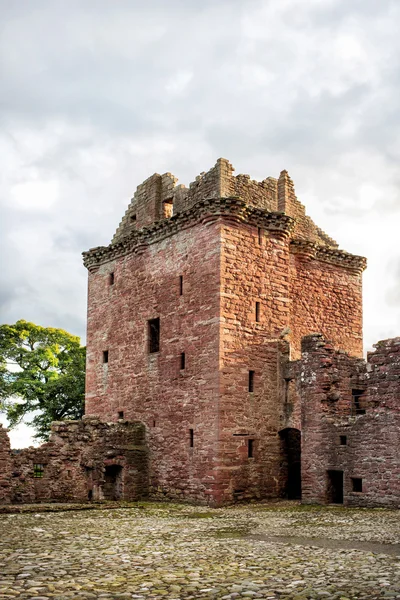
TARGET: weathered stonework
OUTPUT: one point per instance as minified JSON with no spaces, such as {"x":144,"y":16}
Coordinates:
{"x":232,"y":247}
{"x":206,"y":381}
{"x":84,"y":460}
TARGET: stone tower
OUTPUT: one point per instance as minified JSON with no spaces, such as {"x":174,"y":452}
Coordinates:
{"x":194,"y":310}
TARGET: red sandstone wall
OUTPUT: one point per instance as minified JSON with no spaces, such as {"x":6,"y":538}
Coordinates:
{"x":251,"y":272}
{"x":327,"y":299}
{"x":371,"y":452}
{"x":151,"y":387}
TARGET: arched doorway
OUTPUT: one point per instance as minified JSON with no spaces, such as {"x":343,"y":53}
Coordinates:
{"x":291,"y":463}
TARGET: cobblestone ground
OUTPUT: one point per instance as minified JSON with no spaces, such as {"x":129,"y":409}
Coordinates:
{"x":170,"y":551}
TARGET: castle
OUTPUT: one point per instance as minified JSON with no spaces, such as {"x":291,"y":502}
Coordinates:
{"x":224,"y":346}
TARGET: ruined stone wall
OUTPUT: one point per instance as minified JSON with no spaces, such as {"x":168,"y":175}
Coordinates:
{"x":5,"y":467}
{"x":337,"y":436}
{"x":79,"y":463}
{"x":152,"y":387}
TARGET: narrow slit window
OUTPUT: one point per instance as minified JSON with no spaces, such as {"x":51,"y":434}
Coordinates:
{"x":257,"y":311}
{"x":250,"y":448}
{"x":120,"y":414}
{"x":358,"y":405}
{"x":183,"y":360}
{"x":343,"y":440}
{"x":251,"y":381}
{"x":357,"y":484}
{"x":111,"y":279}
{"x":105,"y":356}
{"x":181,"y":285}
{"x":191,"y":438}
{"x":154,"y":422}
{"x":260,"y":232}
{"x":154,"y":335}
{"x":38,"y":471}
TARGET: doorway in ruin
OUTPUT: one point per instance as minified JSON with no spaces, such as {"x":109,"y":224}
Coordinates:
{"x":112,"y":489}
{"x":291,"y":463}
{"x":335,"y":487}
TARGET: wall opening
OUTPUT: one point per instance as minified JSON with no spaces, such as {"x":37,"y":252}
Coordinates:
{"x":357,"y":484}
{"x":111,"y":279}
{"x":133,"y":218}
{"x":191,"y":438}
{"x":343,"y":440}
{"x":251,"y":381}
{"x":335,"y":487}
{"x":250,"y":448}
{"x":154,"y":335}
{"x":105,"y":356}
{"x":291,"y":463}
{"x":120,"y":414}
{"x":38,"y":471}
{"x":258,"y":312}
{"x":260,"y":232}
{"x":168,"y":208}
{"x":183,"y":360}
{"x":181,"y":285}
{"x":113,"y":482}
{"x":358,"y":403}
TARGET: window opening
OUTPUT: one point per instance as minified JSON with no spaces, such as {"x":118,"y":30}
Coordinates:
{"x":251,"y":381}
{"x":260,"y":232}
{"x":38,"y":471}
{"x":154,"y":423}
{"x":257,"y":311}
{"x":111,"y":279}
{"x":105,"y":356}
{"x":168,"y":208}
{"x":181,"y":285}
{"x":154,"y":335}
{"x":250,"y":448}
{"x":357,"y":484}
{"x":343,"y":440}
{"x":133,"y":218}
{"x":183,"y":360}
{"x":120,"y":414}
{"x":191,"y":438}
{"x":358,"y":407}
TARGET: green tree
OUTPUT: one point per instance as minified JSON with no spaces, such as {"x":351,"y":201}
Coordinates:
{"x":42,"y":370}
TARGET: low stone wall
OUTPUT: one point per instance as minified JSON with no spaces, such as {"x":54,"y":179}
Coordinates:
{"x":84,"y":460}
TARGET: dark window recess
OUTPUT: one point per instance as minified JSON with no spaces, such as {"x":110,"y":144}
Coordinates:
{"x":120,"y":414}
{"x":240,"y":434}
{"x":358,"y":406}
{"x":250,"y":448}
{"x":154,"y":423}
{"x":111,"y":279}
{"x":105,"y":356}
{"x":260,"y":232}
{"x":251,"y":381}
{"x":183,"y":360}
{"x":181,"y":285}
{"x":343,"y":440}
{"x":357,"y":484}
{"x":154,"y":335}
{"x":38,"y":471}
{"x":191,"y":438}
{"x":133,"y":218}
{"x":257,"y":311}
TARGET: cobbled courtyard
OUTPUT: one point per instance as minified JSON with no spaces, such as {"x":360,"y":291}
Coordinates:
{"x":150,"y":550}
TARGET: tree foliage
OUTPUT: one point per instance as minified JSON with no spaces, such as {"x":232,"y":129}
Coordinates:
{"x":42,"y":371}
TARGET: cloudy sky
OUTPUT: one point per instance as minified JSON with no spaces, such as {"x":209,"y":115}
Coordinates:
{"x":98,"y":95}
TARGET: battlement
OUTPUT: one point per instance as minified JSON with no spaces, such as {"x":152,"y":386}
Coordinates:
{"x":159,"y":198}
